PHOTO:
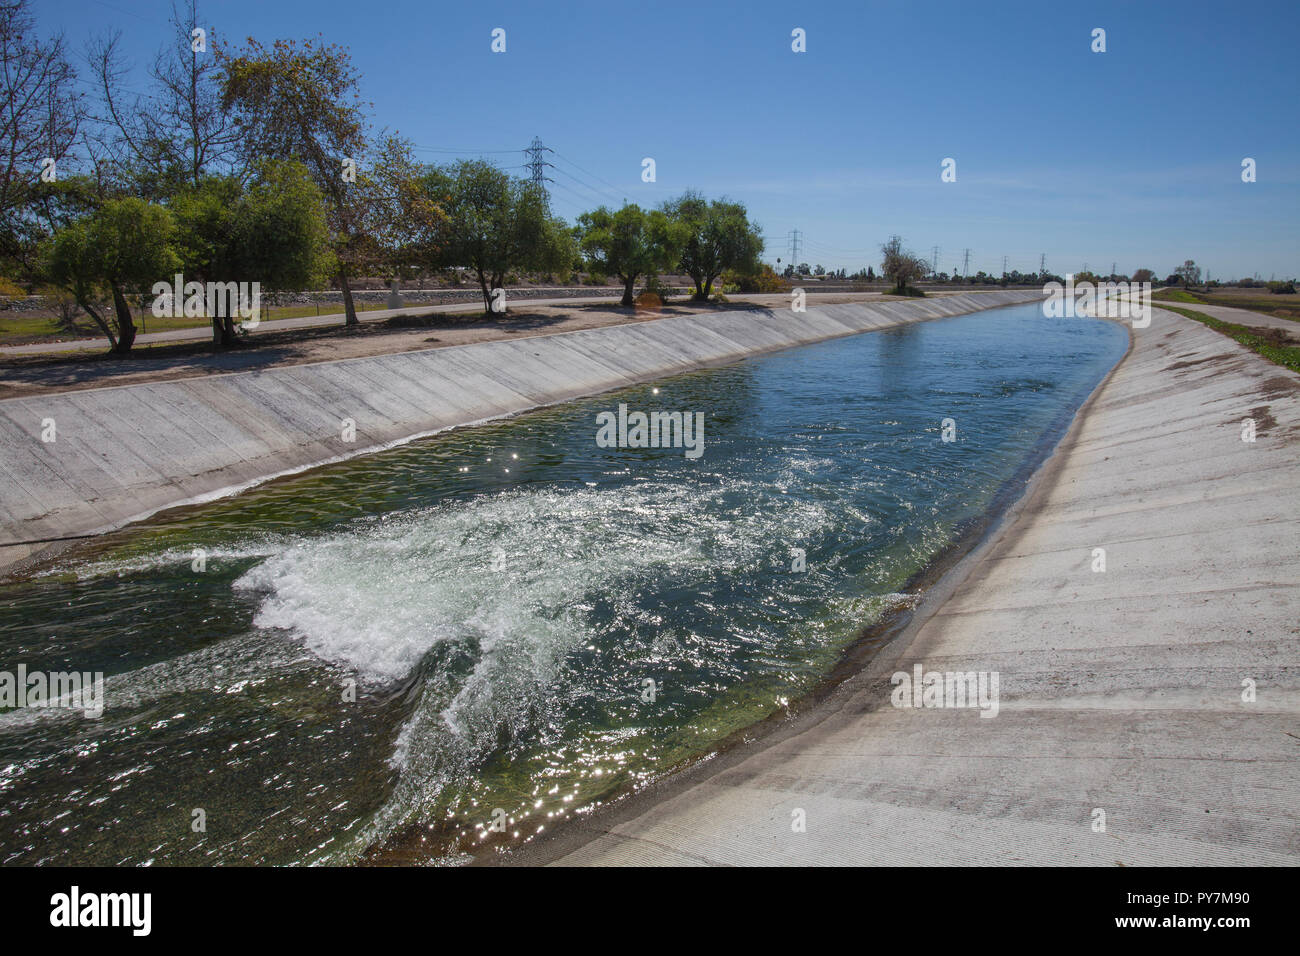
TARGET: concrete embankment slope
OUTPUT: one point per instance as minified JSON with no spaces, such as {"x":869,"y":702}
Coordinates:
{"x":122,"y":453}
{"x":1121,"y":691}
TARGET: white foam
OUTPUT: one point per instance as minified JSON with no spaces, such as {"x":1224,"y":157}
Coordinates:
{"x":497,"y":570}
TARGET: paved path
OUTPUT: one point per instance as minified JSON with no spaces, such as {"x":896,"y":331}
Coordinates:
{"x":1239,"y":316}
{"x":1119,"y":691}
{"x":203,"y":332}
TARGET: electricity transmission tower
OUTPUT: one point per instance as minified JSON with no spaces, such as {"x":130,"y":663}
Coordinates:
{"x":934,"y":262}
{"x":965,"y":266}
{"x":1042,"y":263}
{"x":792,"y":238}
{"x":537,"y":163}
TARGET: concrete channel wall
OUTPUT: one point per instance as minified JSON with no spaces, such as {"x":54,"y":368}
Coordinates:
{"x":123,"y":453}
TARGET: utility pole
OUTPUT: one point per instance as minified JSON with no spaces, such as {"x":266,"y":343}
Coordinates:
{"x":537,"y":163}
{"x":965,"y":266}
{"x":792,"y":238}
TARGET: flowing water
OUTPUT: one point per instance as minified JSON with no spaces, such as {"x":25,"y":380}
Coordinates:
{"x":509,"y":624}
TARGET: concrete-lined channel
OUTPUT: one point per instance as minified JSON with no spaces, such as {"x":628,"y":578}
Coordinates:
{"x":81,"y":463}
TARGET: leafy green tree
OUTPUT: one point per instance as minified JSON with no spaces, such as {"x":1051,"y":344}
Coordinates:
{"x":493,"y":224}
{"x":125,"y":246}
{"x":630,"y":243}
{"x":302,"y":102}
{"x":719,"y":237}
{"x":272,"y":232}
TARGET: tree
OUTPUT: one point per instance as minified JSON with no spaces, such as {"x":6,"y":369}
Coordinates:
{"x":1143,"y":275}
{"x":1189,"y":273}
{"x":819,"y":270}
{"x":40,"y":115}
{"x":125,"y":246}
{"x":302,"y":103}
{"x":719,"y":236}
{"x":492,"y":223}
{"x":630,"y":243}
{"x":900,"y":266}
{"x":181,"y":132}
{"x":272,"y":232}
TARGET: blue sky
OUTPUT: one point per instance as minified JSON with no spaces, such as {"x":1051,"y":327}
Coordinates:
{"x":1130,"y":156}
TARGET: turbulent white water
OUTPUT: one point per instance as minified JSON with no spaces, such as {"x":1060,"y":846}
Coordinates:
{"x":507,"y":572}
{"x":510,"y":577}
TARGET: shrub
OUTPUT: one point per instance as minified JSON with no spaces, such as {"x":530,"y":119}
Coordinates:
{"x":656,"y":288}
{"x":764,"y":280}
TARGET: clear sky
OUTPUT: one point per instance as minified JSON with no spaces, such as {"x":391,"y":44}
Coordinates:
{"x":1130,"y":156}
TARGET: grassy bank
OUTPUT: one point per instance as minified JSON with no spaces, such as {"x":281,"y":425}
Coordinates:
{"x":19,"y":328}
{"x":1272,"y":344}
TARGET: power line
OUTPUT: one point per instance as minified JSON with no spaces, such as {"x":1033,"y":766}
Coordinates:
{"x":600,"y":196}
{"x":616,"y":189}
{"x":460,"y":151}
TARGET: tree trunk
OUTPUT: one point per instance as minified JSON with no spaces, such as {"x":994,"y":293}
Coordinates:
{"x":349,"y":306}
{"x":99,"y":320}
{"x":125,"y":326}
{"x":700,"y":294}
{"x":628,"y":283}
{"x":487,"y":295}
{"x":223,"y":332}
